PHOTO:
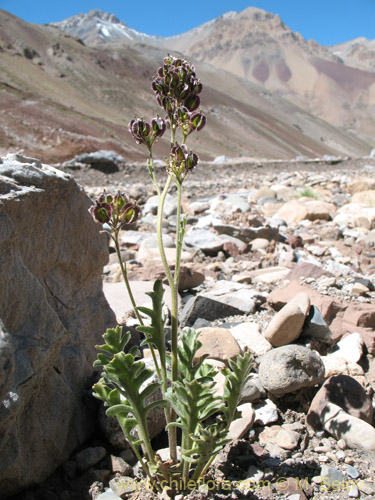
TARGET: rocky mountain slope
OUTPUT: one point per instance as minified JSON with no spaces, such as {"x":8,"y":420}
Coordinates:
{"x":336,"y":83}
{"x":359,"y":52}
{"x":60,"y":98}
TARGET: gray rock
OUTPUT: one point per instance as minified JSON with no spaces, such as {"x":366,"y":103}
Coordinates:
{"x":331,"y":477}
{"x":225,"y":299}
{"x":289,"y":368}
{"x":89,"y":457}
{"x":54,"y":311}
{"x":122,"y":486}
{"x":352,"y":472}
{"x":253,"y":390}
{"x":315,"y":327}
{"x":6,"y":360}
{"x":152,"y":204}
{"x":248,"y":234}
{"x":107,"y":161}
{"x":205,"y":240}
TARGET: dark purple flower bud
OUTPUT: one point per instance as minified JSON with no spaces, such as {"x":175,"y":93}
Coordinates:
{"x":140,"y":130}
{"x":197,"y":87}
{"x":158,"y":126}
{"x":105,"y":198}
{"x":171,"y":79}
{"x":183,"y":91}
{"x":191,"y":161}
{"x":179,"y":153}
{"x":120,"y":200}
{"x":129,"y":213}
{"x":192,"y":102}
{"x":158,"y":85}
{"x":101,"y":212}
{"x":197,"y":121}
{"x":168,"y":104}
{"x":182,"y":113}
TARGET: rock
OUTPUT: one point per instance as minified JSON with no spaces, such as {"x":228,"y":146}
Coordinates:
{"x":345,"y":392}
{"x":259,"y":244}
{"x":286,"y":326}
{"x":54,"y":311}
{"x":119,"y":465}
{"x":119,"y":301}
{"x":217,"y":343}
{"x":122,"y":486}
{"x":334,"y":365}
{"x":357,"y":433}
{"x":293,"y":488}
{"x":332,"y":478}
{"x":6,"y":361}
{"x":355,"y":212}
{"x":289,"y":368}
{"x":248,"y":234}
{"x":365,"y":197}
{"x":108,"y":495}
{"x":205,"y":240}
{"x":315,"y":327}
{"x":189,"y":278}
{"x":306,"y":208}
{"x":248,"y":335}
{"x":240,"y":426}
{"x":152,"y":204}
{"x":268,"y":274}
{"x":350,"y":348}
{"x":226,"y":298}
{"x":131,"y":237}
{"x":307,"y":270}
{"x":265,"y":412}
{"x":287,"y":439}
{"x":252,"y":390}
{"x":231,"y":203}
{"x":89,"y":457}
{"x":352,"y":472}
{"x":106,"y":161}
{"x":263,"y":192}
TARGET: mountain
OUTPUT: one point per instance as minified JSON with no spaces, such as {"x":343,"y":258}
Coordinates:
{"x":256,"y":45}
{"x":99,"y":28}
{"x":359,"y":53}
{"x":60,"y":97}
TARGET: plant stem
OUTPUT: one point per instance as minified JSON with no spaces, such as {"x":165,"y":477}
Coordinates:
{"x":130,"y":293}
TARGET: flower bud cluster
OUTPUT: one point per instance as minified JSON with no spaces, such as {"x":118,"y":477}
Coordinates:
{"x":145,"y":132}
{"x":181,"y":161}
{"x":177,"y":88}
{"x":116,"y":211}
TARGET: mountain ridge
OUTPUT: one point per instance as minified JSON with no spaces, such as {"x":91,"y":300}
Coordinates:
{"x":257,"y":45}
{"x":60,"y":97}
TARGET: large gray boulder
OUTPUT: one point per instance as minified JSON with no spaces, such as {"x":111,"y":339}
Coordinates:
{"x":53,"y":312}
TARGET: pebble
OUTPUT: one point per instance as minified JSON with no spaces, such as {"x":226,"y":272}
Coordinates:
{"x":352,"y":472}
{"x":89,"y":457}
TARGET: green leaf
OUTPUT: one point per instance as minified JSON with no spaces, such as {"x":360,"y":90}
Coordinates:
{"x":155,"y":334}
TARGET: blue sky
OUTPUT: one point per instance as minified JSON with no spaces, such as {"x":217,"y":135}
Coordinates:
{"x":326,"y":21}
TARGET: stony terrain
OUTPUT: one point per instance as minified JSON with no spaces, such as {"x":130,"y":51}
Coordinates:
{"x":261,"y":236}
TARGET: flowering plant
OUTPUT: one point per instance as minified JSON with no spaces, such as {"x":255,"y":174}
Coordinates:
{"x":186,"y":386}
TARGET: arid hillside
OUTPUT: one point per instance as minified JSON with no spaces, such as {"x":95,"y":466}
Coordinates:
{"x":335,"y":83}
{"x":60,"y":98}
